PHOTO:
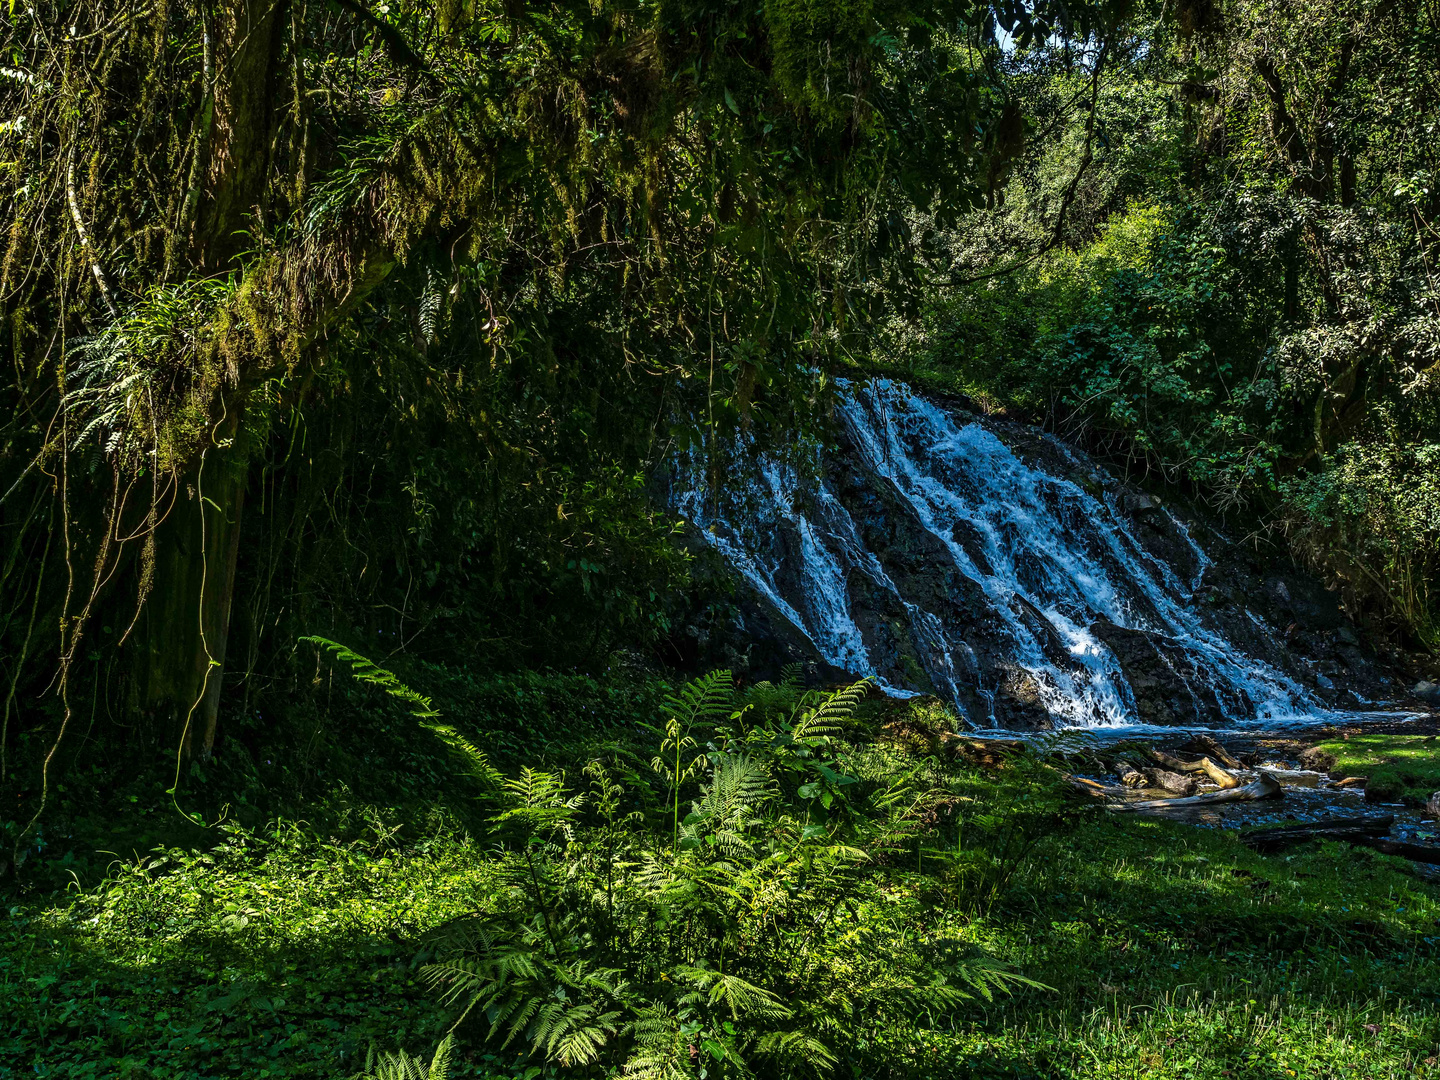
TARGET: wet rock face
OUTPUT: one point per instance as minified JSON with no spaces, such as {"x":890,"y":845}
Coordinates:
{"x":1168,"y":688}
{"x":1001,"y":570}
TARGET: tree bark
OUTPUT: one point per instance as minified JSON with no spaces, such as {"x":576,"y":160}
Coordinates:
{"x":249,"y":52}
{"x":187,"y":615}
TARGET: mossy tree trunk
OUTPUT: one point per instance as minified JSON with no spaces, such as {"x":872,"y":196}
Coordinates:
{"x":186,"y":620}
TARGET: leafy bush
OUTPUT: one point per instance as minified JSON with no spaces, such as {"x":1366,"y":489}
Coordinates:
{"x":1372,"y":516}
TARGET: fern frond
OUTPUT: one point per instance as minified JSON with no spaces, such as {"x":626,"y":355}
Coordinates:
{"x":705,"y":698}
{"x":824,"y":721}
{"x":466,"y":754}
{"x":401,"y":1066}
{"x":797,"y":1044}
{"x":367,"y":671}
{"x":741,"y":997}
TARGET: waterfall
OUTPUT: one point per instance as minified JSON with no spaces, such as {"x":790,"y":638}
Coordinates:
{"x":926,"y":554}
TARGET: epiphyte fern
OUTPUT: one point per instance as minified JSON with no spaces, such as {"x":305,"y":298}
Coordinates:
{"x":430,"y":300}
{"x":117,"y":381}
{"x":367,"y":671}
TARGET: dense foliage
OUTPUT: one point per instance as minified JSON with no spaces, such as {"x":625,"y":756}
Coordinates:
{"x":377,"y":322}
{"x":295,"y":948}
{"x":1243,"y":293}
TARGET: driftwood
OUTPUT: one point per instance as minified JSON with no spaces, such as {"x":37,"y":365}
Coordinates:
{"x":1172,"y":782}
{"x":1354,"y":830}
{"x":1204,"y":744}
{"x":1129,"y":775}
{"x":1092,"y":788}
{"x":1266,"y":787}
{"x":1205,"y":765}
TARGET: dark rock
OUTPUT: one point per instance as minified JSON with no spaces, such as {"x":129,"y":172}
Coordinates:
{"x":1317,"y":759}
{"x":1384,"y":786}
{"x":1140,"y":503}
{"x":1157,"y":673}
{"x":1427,"y":692}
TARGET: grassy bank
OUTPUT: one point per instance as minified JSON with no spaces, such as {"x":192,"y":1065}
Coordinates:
{"x":285,"y":949}
{"x":1397,"y":768}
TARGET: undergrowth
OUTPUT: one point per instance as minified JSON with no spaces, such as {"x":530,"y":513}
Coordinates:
{"x":755,"y":885}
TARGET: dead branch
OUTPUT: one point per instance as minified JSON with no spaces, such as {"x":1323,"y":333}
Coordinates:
{"x":1266,"y":787}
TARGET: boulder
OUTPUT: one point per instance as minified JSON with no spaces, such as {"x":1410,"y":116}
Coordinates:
{"x":1427,"y":692}
{"x":1384,"y":786}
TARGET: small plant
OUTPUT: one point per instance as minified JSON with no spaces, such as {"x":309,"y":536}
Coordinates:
{"x":401,"y":1066}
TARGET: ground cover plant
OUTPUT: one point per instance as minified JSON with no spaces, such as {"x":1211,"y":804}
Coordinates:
{"x":829,"y":898}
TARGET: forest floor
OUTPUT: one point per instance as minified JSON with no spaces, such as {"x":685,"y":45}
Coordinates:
{"x":287,"y":946}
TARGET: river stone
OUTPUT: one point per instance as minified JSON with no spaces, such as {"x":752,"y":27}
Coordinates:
{"x":1316,"y":759}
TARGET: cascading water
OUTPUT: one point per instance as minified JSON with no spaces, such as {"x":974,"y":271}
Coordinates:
{"x":930,"y":557}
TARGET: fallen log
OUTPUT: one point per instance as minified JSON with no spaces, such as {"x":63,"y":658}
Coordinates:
{"x":1265,"y":787}
{"x":1091,"y":787}
{"x":1172,"y":782}
{"x":1129,"y":775}
{"x":1266,"y":841}
{"x":1413,"y":852}
{"x":1204,"y":744}
{"x":1205,"y":765}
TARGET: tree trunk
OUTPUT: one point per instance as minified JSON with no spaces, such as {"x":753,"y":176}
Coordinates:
{"x":248,"y":57}
{"x":186,"y":620}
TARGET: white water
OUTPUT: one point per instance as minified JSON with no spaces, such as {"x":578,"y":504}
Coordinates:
{"x":1041,"y":559}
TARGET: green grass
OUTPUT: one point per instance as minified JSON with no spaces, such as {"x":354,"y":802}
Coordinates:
{"x":285,"y":949}
{"x":1400,"y":768}
{"x":1172,"y":952}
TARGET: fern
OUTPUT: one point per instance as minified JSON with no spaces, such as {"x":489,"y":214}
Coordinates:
{"x":702,"y":699}
{"x":825,"y":720}
{"x":367,"y":671}
{"x":472,"y":761}
{"x":401,"y":1066}
{"x":755,"y":938}
{"x":431,"y":299}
